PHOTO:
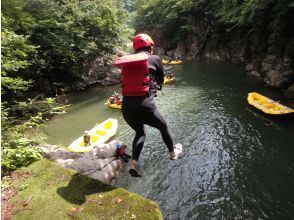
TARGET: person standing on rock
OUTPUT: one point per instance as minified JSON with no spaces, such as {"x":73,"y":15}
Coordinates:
{"x":142,"y":76}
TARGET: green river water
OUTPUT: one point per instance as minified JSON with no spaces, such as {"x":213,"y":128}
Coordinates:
{"x":237,"y":162}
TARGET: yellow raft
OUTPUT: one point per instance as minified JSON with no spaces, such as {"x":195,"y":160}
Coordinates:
{"x":173,"y":62}
{"x":116,"y":106}
{"x":169,"y":80}
{"x":98,"y":135}
{"x":165,"y":61}
{"x":267,"y":105}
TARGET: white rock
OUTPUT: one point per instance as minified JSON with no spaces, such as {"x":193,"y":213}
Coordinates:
{"x":98,"y":163}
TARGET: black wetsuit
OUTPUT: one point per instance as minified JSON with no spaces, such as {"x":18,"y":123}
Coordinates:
{"x":141,"y":110}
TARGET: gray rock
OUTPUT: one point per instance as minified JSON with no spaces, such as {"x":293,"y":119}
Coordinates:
{"x":225,"y":55}
{"x":120,"y":53}
{"x":98,"y":163}
{"x":275,"y":79}
{"x":53,"y":152}
{"x":249,"y":67}
{"x":289,"y":92}
{"x":266,"y":67}
{"x":170,"y":53}
{"x":194,"y":50}
{"x":270,"y":59}
{"x":102,"y":72}
{"x":287,"y":60}
{"x":180,"y":50}
{"x":212,"y":55}
{"x":160,"y":51}
{"x":289,"y":73}
{"x":254,"y":73}
{"x":237,"y":52}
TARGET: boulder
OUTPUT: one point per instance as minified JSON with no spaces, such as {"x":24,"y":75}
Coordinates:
{"x":275,"y":78}
{"x":170,"y":53}
{"x":194,"y":50}
{"x":266,"y":67}
{"x":212,"y":55}
{"x":237,"y":52}
{"x":99,"y":163}
{"x":120,"y":53}
{"x":101,"y":72}
{"x":225,"y":54}
{"x":180,"y":50}
{"x":271,"y":59}
{"x":254,"y":73}
{"x":250,"y":67}
{"x":289,"y":92}
{"x":160,"y":51}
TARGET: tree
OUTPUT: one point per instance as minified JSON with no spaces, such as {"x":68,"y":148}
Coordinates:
{"x":16,"y":51}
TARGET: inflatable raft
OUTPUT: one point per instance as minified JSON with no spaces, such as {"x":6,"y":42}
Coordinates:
{"x":267,"y":105}
{"x":165,"y":61}
{"x":114,"y":105}
{"x":168,"y":80}
{"x":98,"y":135}
{"x":172,"y":62}
{"x":175,"y":62}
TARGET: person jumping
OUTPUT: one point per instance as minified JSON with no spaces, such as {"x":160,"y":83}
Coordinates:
{"x":142,"y":76}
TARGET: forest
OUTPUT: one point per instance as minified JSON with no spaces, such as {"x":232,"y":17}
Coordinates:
{"x":46,"y":45}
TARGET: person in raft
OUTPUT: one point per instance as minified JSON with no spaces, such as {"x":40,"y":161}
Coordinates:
{"x":117,"y":98}
{"x":86,"y":138}
{"x":140,"y":82}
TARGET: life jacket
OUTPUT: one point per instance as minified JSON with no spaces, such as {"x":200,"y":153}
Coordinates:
{"x":119,"y":151}
{"x":135,"y":74}
{"x":86,"y":138}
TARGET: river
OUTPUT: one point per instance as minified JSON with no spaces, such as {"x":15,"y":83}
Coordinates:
{"x":237,"y":162}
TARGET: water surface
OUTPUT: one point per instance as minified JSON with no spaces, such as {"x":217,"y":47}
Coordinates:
{"x":237,"y":163}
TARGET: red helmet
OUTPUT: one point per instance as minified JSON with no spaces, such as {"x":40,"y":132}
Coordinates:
{"x":142,"y":40}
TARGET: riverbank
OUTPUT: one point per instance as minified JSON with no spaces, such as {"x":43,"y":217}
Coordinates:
{"x":265,"y":52}
{"x":45,"y":190}
{"x":275,"y":71}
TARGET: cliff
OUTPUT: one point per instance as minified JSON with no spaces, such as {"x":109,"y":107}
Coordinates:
{"x":263,"y":55}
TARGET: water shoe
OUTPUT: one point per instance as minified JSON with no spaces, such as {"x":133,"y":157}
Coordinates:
{"x":135,"y":172}
{"x":177,"y":151}
{"x":134,"y":169}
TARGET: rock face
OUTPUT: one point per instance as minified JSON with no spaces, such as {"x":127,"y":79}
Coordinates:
{"x":102,"y":72}
{"x":289,"y":92}
{"x":270,"y":61}
{"x":99,"y":163}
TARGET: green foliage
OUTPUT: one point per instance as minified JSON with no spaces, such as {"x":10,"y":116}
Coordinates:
{"x":73,"y":33}
{"x":18,"y":152}
{"x":129,"y":5}
{"x":261,"y":21}
{"x":15,"y":51}
{"x":45,"y":107}
{"x":17,"y":149}
{"x":52,"y":41}
{"x":15,"y":58}
{"x":15,"y":84}
{"x":45,"y":44}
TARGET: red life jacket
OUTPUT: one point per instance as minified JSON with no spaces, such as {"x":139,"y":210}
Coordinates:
{"x":135,"y":74}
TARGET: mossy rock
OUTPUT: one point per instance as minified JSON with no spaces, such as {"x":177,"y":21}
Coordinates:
{"x":54,"y":192}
